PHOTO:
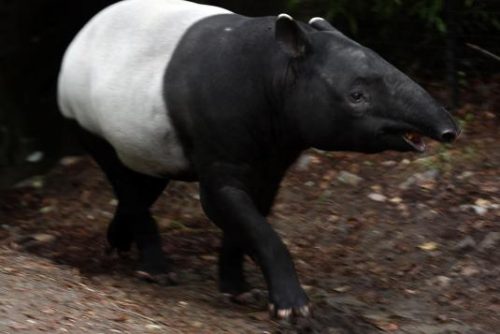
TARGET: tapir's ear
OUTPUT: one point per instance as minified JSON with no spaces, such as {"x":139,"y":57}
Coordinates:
{"x":321,"y":24}
{"x":291,"y":37}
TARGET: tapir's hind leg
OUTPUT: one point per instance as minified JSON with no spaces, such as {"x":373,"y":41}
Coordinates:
{"x":132,"y":221}
{"x":231,"y":277}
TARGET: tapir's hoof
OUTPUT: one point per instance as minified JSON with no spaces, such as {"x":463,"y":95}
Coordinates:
{"x":162,"y":279}
{"x":288,"y":313}
{"x":122,"y":254}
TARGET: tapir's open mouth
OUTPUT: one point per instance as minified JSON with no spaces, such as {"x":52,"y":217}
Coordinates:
{"x":404,"y":138}
{"x":415,"y":140}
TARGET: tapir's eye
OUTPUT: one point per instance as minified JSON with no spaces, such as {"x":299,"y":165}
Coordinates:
{"x":357,"y":97}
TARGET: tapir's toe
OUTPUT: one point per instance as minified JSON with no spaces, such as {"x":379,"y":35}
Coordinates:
{"x":169,"y":278}
{"x":287,"y":313}
{"x":304,"y":311}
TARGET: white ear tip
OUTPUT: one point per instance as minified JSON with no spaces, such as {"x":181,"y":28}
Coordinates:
{"x":316,"y":19}
{"x":285,"y":16}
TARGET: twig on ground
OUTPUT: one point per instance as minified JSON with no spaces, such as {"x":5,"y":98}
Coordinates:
{"x":483,"y":51}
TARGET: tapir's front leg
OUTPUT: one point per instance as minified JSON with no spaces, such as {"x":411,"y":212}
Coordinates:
{"x":232,"y":208}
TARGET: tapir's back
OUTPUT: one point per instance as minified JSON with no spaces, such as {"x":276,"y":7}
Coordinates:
{"x":112,"y":77}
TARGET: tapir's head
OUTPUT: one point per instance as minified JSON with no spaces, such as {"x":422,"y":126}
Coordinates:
{"x":343,"y":96}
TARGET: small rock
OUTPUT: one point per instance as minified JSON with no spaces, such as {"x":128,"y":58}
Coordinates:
{"x":396,"y":200}
{"x":408,"y":183}
{"x":69,"y":160}
{"x":465,"y":175}
{"x":489,"y":241}
{"x":442,"y":281}
{"x":36,"y":182}
{"x":47,"y":209}
{"x":483,"y":203}
{"x":197,"y":324}
{"x":377,"y":197}
{"x":424,"y":180}
{"x":389,"y":327}
{"x":208,"y":257}
{"x":490,"y":115}
{"x":48,"y":311}
{"x":303,"y":162}
{"x":479,"y":210}
{"x":431,"y":174}
{"x":342,"y":289}
{"x":465,"y":244}
{"x":153,"y":327}
{"x":442,"y":318}
{"x":469,"y":271}
{"x":428,"y":246}
{"x":389,"y":163}
{"x":349,"y":178}
{"x":309,"y":184}
{"x":426,"y":214}
{"x":405,"y":162}
{"x":44,"y":238}
{"x":35,"y":157}
{"x":333,"y":218}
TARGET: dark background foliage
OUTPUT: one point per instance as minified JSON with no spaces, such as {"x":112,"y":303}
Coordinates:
{"x":426,"y":38}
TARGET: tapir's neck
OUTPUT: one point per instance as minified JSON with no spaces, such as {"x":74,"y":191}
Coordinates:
{"x":225,"y":72}
{"x":266,"y":73}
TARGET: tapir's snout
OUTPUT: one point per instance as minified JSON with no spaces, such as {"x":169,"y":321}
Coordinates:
{"x":409,"y":132}
{"x":448,"y":136}
{"x":449,"y":131}
{"x":418,"y":115}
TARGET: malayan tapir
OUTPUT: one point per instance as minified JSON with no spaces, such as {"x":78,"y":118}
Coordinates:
{"x":172,"y":90}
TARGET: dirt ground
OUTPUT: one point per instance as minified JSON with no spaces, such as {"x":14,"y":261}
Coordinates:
{"x":399,"y":243}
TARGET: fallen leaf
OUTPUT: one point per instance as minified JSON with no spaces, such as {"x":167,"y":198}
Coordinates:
{"x":342,"y":289}
{"x":153,"y":327}
{"x":46,"y":209}
{"x":396,"y":200}
{"x":428,"y":246}
{"x":119,"y":318}
{"x":389,"y":327}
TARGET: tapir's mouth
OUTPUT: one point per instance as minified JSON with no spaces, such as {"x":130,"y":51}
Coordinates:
{"x":415,"y":140}
{"x":404,"y":139}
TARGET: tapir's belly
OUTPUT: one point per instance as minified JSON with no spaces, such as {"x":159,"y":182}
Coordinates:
{"x":111,"y":80}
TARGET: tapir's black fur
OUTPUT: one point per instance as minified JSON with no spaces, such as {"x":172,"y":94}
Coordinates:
{"x":245,"y":105}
